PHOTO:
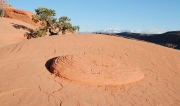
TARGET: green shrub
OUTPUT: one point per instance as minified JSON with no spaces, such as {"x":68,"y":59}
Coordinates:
{"x":50,"y":24}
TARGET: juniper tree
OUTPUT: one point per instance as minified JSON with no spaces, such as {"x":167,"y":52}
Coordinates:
{"x":50,"y":24}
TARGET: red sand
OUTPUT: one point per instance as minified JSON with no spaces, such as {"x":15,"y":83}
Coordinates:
{"x":26,"y":81}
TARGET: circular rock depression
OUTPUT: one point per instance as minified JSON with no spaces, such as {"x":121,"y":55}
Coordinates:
{"x":96,"y":69}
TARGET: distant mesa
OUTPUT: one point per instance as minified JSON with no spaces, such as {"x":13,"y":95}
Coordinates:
{"x":169,"y":39}
{"x":96,"y":70}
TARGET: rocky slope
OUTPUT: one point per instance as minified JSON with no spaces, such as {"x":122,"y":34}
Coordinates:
{"x":19,"y":15}
{"x":93,"y":70}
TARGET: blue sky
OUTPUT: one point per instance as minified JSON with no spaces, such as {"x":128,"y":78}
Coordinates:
{"x":93,"y":15}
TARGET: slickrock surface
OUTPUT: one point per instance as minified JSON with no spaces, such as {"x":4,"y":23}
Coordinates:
{"x":149,"y":75}
{"x":12,"y":31}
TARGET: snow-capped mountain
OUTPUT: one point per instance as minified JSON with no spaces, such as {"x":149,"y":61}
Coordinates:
{"x":110,"y":30}
{"x":117,"y":30}
{"x":113,"y":30}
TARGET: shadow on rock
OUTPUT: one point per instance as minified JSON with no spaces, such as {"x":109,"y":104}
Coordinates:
{"x":29,"y":34}
{"x":48,"y":63}
{"x":17,"y":26}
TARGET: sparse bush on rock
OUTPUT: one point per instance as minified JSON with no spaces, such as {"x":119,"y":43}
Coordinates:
{"x":50,"y":24}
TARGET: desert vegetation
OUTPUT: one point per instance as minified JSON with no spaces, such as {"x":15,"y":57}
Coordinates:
{"x":49,"y":24}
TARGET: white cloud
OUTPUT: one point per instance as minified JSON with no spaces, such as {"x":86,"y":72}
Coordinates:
{"x":153,"y":30}
{"x":149,"y":30}
{"x":89,"y":25}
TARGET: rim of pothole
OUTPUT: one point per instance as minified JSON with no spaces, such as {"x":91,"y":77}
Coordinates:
{"x":96,"y":69}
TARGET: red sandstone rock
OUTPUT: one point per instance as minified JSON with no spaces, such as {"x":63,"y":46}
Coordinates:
{"x":19,"y":15}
